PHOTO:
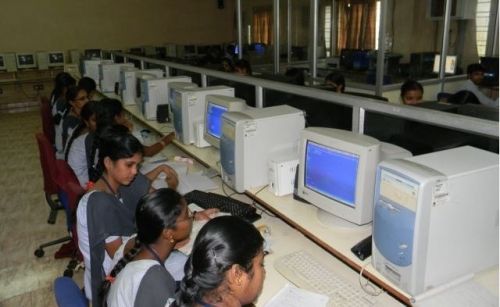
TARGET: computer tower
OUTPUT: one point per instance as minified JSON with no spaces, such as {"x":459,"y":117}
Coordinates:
{"x":436,"y":217}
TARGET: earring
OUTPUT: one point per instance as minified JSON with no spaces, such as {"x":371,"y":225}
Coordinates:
{"x":172,"y":240}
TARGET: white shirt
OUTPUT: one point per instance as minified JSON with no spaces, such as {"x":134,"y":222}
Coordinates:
{"x":483,"y":99}
{"x":77,"y":159}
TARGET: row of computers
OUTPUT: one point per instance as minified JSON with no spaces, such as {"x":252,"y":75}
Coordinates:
{"x":434,"y":216}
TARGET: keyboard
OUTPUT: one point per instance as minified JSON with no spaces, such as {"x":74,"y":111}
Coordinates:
{"x":301,"y":269}
{"x":230,"y":205}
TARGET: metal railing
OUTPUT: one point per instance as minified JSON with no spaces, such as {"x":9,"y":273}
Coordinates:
{"x":359,"y":105}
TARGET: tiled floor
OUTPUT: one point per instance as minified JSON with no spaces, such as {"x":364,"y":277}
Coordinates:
{"x":25,"y":280}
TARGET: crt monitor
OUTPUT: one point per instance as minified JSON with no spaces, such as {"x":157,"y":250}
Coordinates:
{"x":449,"y":67}
{"x":92,"y":53}
{"x":490,"y":65}
{"x":2,"y":62}
{"x":25,"y":60}
{"x":216,"y":106}
{"x":337,"y":174}
{"x":55,"y":58}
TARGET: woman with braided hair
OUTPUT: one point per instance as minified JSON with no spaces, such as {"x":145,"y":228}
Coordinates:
{"x":226,"y":265}
{"x":140,"y":277}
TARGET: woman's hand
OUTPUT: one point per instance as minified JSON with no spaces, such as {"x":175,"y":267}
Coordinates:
{"x":172,"y":178}
{"x":207,"y":214}
{"x":167,"y":139}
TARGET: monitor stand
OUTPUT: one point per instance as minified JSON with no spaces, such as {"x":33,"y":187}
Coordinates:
{"x":332,"y":221}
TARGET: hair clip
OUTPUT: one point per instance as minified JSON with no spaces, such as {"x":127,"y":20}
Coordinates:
{"x":110,"y":278}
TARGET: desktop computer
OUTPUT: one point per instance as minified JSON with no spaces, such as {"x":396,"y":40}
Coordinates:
{"x":154,"y":92}
{"x":250,"y":138}
{"x":436,"y":217}
{"x":133,"y":83}
{"x":26,"y":60}
{"x":8,"y":62}
{"x":90,"y":68}
{"x":188,"y":109}
{"x":109,"y":75}
{"x":337,"y":174}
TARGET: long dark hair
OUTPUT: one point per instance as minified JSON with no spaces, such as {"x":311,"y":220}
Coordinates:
{"x":155,"y":212}
{"x":221,"y":243}
{"x":61,"y":81}
{"x":86,"y":113}
{"x":115,"y":142}
{"x":106,"y":111}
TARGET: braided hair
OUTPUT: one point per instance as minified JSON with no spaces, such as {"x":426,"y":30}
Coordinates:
{"x":221,"y":243}
{"x":155,"y":212}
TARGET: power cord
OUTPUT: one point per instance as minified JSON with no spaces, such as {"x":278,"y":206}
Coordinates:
{"x":365,"y":284}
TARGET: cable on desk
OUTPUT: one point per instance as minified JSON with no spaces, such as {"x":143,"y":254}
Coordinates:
{"x":366,"y":285}
{"x":258,"y":206}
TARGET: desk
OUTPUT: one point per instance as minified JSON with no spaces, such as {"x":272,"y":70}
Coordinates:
{"x":305,"y":231}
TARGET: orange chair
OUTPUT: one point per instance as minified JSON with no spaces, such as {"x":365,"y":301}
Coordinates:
{"x":47,"y":121}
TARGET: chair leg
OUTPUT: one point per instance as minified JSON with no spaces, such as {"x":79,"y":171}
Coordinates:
{"x":39,"y":251}
{"x":55,"y":205}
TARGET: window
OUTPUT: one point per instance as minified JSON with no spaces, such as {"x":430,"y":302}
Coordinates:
{"x":328,"y":30}
{"x":482,"y":22}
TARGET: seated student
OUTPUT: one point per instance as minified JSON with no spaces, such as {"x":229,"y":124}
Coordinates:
{"x":475,"y":75}
{"x":163,"y":219}
{"x":226,"y":265}
{"x":295,"y":76}
{"x":336,"y":81}
{"x":242,"y":67}
{"x":76,"y":98}
{"x":227,"y":65}
{"x":106,"y":213}
{"x":411,"y":92}
{"x":109,"y":112}
{"x":89,"y":85}
{"x":62,"y":81}
{"x":75,"y":153}
{"x":60,"y":108}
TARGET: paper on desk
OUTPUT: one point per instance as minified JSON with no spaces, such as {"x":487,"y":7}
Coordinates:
{"x":179,"y":167}
{"x":292,"y":296}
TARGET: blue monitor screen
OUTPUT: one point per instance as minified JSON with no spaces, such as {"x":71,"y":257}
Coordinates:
{"x":214,"y":119}
{"x":331,"y":172}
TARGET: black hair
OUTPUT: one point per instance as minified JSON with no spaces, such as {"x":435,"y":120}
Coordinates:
{"x":295,"y":76}
{"x":229,"y":62}
{"x":105,"y":114}
{"x":221,"y":243}
{"x":155,"y":212}
{"x":86,"y":113}
{"x":61,"y":81}
{"x":472,"y":68}
{"x":411,"y":85}
{"x":72,"y":93}
{"x":337,"y":79}
{"x":115,"y":142}
{"x":243,"y":64}
{"x":88,"y":84}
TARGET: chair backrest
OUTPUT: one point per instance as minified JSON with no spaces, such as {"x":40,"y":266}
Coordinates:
{"x":72,"y":193}
{"x":47,"y":121}
{"x":68,"y":193}
{"x":68,"y":294}
{"x":48,"y":164}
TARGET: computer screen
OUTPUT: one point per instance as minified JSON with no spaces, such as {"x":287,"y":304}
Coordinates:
{"x":217,"y":105}
{"x":92,"y":53}
{"x":2,"y":62}
{"x":189,"y":109}
{"x":56,"y":58}
{"x":490,"y":65}
{"x":450,"y":65}
{"x":337,"y":174}
{"x":25,"y":60}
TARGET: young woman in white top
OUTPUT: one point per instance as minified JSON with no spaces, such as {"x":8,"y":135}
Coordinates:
{"x":140,"y":277}
{"x":106,"y":213}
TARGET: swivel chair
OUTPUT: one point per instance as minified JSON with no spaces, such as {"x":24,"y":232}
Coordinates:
{"x":68,"y":294}
{"x":47,"y":121}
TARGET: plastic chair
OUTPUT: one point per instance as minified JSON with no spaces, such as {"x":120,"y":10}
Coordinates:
{"x":51,"y":186}
{"x":47,"y":121}
{"x":68,"y":294}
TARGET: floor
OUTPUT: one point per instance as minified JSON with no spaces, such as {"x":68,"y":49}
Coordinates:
{"x":25,"y":280}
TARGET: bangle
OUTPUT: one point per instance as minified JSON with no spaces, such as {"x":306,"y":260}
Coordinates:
{"x":162,"y":142}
